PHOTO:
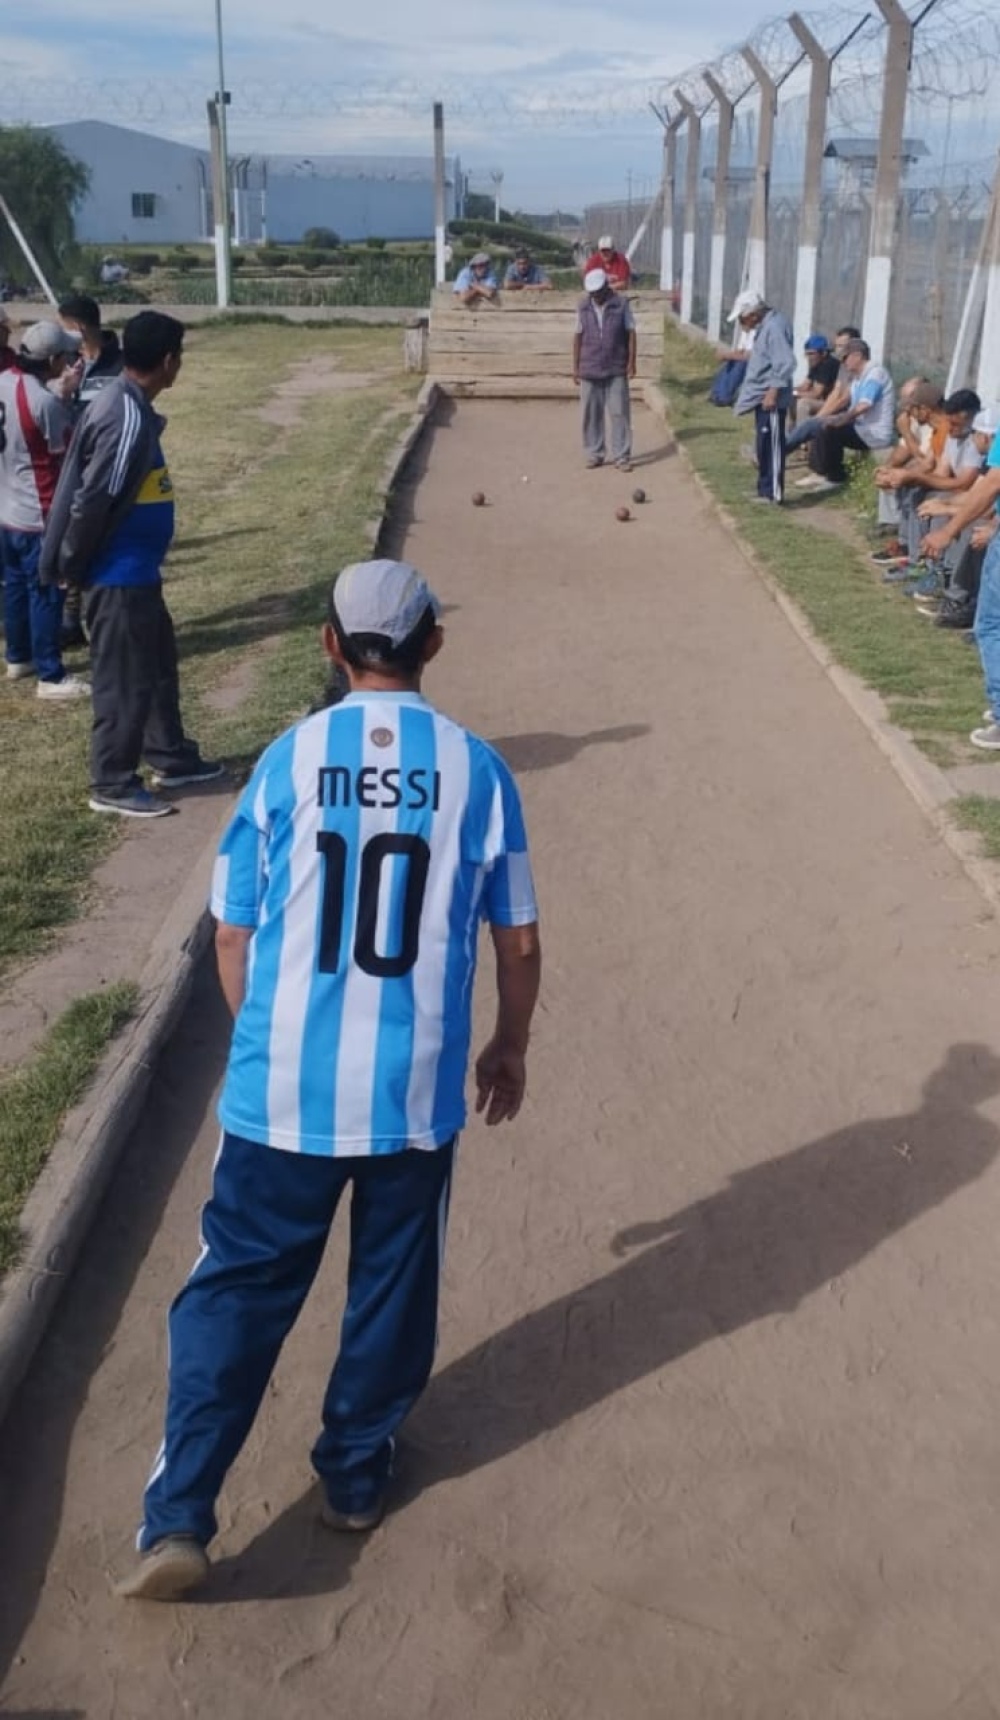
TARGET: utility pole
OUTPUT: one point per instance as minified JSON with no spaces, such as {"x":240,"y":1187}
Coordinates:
{"x":439,"y":197}
{"x":988,"y":379}
{"x":755,"y":266}
{"x":723,"y":152}
{"x":888,"y":173}
{"x":496,"y":175}
{"x":27,"y":252}
{"x":218,"y":130}
{"x":693,"y":118}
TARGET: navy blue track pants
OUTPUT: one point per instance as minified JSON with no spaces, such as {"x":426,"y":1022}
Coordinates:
{"x":264,"y":1230}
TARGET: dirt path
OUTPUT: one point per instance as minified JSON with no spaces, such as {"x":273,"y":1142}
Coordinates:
{"x":713,"y":1432}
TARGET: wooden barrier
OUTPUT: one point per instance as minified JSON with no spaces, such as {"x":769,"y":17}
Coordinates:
{"x":523,"y":345}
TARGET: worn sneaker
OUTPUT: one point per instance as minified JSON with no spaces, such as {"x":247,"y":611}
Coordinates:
{"x":815,"y":484}
{"x":889,"y":556}
{"x":203,"y":770}
{"x":70,"y":687}
{"x":960,"y":617}
{"x":20,"y":671}
{"x":988,"y":738}
{"x":623,"y":465}
{"x":170,"y":1569}
{"x":928,"y":585}
{"x":138,"y":803}
{"x":592,"y":465}
{"x":899,"y":574}
{"x":353,"y":1522}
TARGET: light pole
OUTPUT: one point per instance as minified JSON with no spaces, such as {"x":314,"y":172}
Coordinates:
{"x":223,"y":255}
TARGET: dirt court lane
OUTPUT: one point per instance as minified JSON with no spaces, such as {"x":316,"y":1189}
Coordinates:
{"x":714,"y":1433}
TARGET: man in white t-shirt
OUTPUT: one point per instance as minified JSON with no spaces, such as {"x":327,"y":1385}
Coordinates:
{"x":867,"y":423}
{"x":35,"y":428}
{"x":371,"y":841}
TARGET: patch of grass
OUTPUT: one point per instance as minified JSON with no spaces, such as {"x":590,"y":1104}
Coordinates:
{"x":266,"y":513}
{"x":817,"y":552}
{"x":980,"y":813}
{"x":35,"y":1098}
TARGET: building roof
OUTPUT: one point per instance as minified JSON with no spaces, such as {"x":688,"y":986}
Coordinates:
{"x":413,"y":169}
{"x":866,"y":149}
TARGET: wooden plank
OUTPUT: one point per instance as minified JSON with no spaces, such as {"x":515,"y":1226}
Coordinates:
{"x":511,"y":364}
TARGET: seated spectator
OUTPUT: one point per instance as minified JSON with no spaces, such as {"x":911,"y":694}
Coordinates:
{"x":867,"y":423}
{"x":614,"y":263}
{"x":733,"y":360}
{"x":6,"y":350}
{"x":822,"y":372}
{"x":922,"y":432}
{"x":958,"y":568}
{"x":476,"y":284}
{"x":976,"y":508}
{"x":923,"y":486}
{"x":112,"y":271}
{"x":522,"y":273}
{"x":836,"y":401}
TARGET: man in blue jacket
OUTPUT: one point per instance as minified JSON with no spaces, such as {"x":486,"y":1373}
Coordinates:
{"x":767,"y":389}
{"x":109,"y":531}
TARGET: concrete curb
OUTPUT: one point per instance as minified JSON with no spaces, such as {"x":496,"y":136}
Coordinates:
{"x":928,"y":785}
{"x":64,"y":1200}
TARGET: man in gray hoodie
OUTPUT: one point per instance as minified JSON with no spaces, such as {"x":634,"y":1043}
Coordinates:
{"x":767,"y":389}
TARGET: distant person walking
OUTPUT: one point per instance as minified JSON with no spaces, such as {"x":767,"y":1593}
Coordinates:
{"x":604,"y":359}
{"x":35,"y":428}
{"x":111,"y":525}
{"x":370,"y":842}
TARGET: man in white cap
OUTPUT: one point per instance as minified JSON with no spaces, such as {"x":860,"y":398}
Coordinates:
{"x":603,"y":365}
{"x":766,"y":390}
{"x":614,"y":263}
{"x":35,"y":428}
{"x":370,"y":841}
{"x":476,"y":284}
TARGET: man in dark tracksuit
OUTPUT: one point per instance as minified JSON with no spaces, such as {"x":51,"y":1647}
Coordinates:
{"x":100,"y":362}
{"x":767,"y":390}
{"x":110,"y":527}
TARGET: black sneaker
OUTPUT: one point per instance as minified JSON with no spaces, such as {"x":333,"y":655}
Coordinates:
{"x":202,"y":770}
{"x":137,"y":803}
{"x":71,"y":637}
{"x":960,"y":616}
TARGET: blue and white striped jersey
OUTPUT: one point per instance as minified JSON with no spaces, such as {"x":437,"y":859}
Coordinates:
{"x":366,"y":847}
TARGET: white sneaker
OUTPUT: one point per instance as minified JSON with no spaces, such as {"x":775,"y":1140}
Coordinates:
{"x":815,"y":483}
{"x":70,"y":687}
{"x":988,"y":738}
{"x":20,"y":671}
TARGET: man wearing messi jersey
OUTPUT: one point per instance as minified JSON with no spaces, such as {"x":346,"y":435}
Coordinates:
{"x":111,"y":525}
{"x":370,"y":841}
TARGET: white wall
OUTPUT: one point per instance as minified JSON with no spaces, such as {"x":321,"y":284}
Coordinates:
{"x":122,"y":162}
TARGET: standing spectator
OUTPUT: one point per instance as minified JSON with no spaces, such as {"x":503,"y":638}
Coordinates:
{"x":350,"y":981}
{"x":100,"y":348}
{"x":603,"y":364}
{"x":476,"y":284}
{"x":614,"y":263}
{"x":868,"y":422}
{"x":523,"y":272}
{"x":111,"y":525}
{"x":767,"y":392}
{"x":100,"y":361}
{"x":35,"y":427}
{"x":6,"y":350}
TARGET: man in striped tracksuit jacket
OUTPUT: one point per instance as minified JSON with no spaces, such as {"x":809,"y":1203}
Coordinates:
{"x":767,"y":389}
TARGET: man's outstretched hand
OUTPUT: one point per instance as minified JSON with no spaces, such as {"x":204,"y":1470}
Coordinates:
{"x":500,"y":1082}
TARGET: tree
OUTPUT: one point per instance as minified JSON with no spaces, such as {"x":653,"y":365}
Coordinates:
{"x":320,"y":239}
{"x":42,"y":184}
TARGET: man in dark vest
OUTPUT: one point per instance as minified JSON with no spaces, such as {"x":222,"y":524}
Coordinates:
{"x":603,"y":363}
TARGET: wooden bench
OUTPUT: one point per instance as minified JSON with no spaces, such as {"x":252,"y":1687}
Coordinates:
{"x":523,"y":345}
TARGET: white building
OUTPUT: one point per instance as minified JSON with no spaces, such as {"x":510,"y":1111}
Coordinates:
{"x":147,"y":190}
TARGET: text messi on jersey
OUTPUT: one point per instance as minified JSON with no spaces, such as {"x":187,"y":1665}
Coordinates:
{"x":371,"y":787}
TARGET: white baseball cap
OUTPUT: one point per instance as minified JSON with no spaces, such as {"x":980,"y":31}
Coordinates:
{"x":745,"y":304}
{"x":987,"y":422}
{"x":605,"y":242}
{"x":387,"y":598}
{"x":594,"y":280}
{"x":49,"y":340}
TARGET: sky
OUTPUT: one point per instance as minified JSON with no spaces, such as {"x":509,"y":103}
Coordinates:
{"x":553,"y":93}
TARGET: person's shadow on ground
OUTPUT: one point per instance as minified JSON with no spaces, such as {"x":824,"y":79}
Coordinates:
{"x":544,"y":750}
{"x":759,"y":1246}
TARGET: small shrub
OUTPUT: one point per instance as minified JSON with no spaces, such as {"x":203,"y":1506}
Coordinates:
{"x":180,"y":260}
{"x":375,"y":244}
{"x":272,"y":257}
{"x":321,"y":239}
{"x":118,"y":293}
